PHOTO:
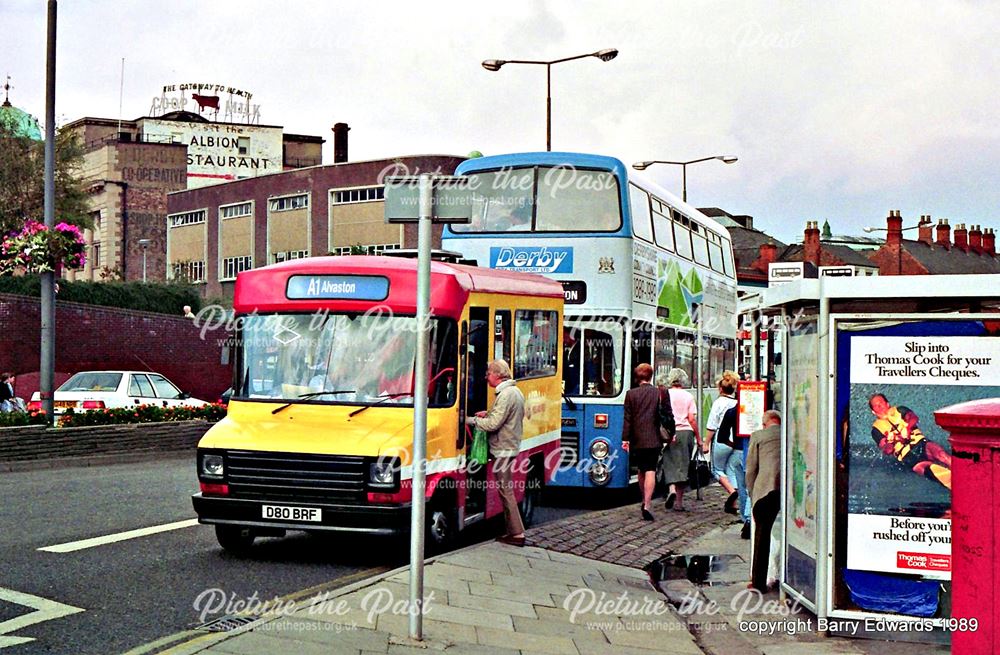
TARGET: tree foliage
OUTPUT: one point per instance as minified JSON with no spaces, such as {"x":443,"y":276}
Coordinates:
{"x":22,"y":180}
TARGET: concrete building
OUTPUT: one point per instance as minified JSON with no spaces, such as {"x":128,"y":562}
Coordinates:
{"x":214,"y":232}
{"x":130,"y":166}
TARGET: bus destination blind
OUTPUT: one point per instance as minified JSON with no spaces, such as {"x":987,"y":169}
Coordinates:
{"x":337,"y":287}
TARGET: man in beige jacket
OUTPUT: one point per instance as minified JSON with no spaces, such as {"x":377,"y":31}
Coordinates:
{"x":504,"y":424}
{"x":763,"y":477}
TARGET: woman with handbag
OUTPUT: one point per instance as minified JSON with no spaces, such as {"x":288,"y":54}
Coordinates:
{"x":641,"y":433}
{"x":721,"y":452}
{"x":677,"y":454}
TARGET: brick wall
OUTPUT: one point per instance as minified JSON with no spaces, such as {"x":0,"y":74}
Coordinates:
{"x":893,"y":260}
{"x":36,"y":443}
{"x":90,"y":337}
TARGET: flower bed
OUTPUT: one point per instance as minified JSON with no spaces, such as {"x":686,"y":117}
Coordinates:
{"x":17,"y":419}
{"x":141,"y":414}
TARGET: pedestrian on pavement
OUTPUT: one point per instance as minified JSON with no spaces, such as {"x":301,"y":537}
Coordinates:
{"x":735,"y":466}
{"x":641,"y":433}
{"x":504,"y":425}
{"x":6,"y":392}
{"x":763,"y":476}
{"x":677,"y":454}
{"x":721,"y":453}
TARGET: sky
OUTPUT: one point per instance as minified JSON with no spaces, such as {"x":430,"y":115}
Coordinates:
{"x":837,"y":111}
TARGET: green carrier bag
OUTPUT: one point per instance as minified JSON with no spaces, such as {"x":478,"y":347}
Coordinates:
{"x":480,"y":447}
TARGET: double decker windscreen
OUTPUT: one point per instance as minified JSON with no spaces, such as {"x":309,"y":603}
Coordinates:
{"x":342,"y":358}
{"x":543,"y":199}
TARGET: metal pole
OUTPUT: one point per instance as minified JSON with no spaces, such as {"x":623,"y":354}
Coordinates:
{"x":825,"y":508}
{"x":420,"y":409}
{"x":46,"y":371}
{"x":548,"y":107}
{"x":144,"y":264}
{"x":699,"y":353}
{"x":684,"y":182}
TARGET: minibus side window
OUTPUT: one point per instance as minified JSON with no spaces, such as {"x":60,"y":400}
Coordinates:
{"x":501,"y":335}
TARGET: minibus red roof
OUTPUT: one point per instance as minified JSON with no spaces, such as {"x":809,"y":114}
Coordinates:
{"x":264,"y":289}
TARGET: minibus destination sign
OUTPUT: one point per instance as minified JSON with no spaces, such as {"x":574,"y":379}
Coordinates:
{"x":337,"y":287}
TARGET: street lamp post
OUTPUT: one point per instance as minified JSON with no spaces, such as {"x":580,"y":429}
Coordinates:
{"x":643,"y":165}
{"x":145,"y":245}
{"x":494,"y":65}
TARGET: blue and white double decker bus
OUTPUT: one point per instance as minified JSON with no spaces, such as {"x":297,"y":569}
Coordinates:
{"x":647,"y":278}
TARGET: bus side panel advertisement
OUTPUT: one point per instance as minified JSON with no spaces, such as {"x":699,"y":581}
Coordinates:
{"x":898,"y":459}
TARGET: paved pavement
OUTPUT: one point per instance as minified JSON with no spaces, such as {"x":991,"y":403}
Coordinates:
{"x":578,"y":588}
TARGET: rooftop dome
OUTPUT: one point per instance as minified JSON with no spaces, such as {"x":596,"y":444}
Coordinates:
{"x":20,"y":122}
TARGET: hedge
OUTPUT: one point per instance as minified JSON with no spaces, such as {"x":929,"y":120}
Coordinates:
{"x":157,"y":297}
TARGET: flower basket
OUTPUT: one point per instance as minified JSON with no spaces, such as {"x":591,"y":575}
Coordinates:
{"x":37,"y":249}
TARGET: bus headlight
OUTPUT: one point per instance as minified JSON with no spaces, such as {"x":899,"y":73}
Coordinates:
{"x":599,"y":449}
{"x":382,"y":474}
{"x":212,"y":466}
{"x":600,"y":474}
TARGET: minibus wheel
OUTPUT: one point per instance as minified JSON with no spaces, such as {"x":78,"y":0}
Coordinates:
{"x":234,"y":539}
{"x":442,"y":526}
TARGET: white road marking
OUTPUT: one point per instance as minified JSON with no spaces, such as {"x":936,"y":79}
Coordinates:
{"x":45,"y":610}
{"x":120,"y":536}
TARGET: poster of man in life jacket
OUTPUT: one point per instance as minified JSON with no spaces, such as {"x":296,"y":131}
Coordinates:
{"x":895,"y":459}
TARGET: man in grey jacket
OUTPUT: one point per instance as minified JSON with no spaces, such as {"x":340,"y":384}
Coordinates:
{"x":763,"y":476}
{"x":504,"y":424}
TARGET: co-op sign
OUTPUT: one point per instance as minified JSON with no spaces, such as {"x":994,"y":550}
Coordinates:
{"x":532,"y":259}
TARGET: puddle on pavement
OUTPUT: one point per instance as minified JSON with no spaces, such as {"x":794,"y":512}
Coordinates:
{"x":704,"y":570}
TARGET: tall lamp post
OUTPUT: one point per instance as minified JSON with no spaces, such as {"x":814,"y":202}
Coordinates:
{"x":494,"y":65}
{"x":643,"y":165}
{"x":145,"y":245}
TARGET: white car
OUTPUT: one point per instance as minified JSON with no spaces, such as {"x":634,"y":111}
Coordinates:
{"x":105,"y":389}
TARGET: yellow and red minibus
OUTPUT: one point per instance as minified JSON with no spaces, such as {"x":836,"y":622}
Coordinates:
{"x":319,"y":431}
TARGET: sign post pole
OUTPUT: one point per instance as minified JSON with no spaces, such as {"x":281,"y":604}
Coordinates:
{"x":420,"y":409}
{"x":436,"y":199}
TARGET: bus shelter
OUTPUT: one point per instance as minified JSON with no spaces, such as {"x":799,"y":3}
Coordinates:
{"x":864,"y":363}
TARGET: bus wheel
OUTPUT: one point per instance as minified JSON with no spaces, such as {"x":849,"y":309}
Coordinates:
{"x":442,"y":526}
{"x":234,"y":538}
{"x":532,"y":494}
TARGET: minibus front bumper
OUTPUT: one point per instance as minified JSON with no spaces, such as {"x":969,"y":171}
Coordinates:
{"x":369,"y":518}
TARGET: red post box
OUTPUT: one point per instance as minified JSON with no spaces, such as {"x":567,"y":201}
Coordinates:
{"x":975,"y":530}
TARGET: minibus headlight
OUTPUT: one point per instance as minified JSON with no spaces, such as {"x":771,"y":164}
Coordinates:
{"x":600,"y":474}
{"x":382,"y":474}
{"x":212,"y":466}
{"x":599,"y":449}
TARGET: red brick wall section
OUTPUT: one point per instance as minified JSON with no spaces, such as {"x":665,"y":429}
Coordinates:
{"x":889,"y":262}
{"x":89,"y":337}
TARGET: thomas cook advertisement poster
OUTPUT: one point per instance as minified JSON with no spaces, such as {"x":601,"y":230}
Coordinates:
{"x":899,"y":460}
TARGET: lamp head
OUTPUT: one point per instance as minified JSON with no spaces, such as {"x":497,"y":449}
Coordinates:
{"x":607,"y":54}
{"x":144,"y":243}
{"x":869,"y":229}
{"x":728,"y":159}
{"x":641,"y":165}
{"x":493,"y":64}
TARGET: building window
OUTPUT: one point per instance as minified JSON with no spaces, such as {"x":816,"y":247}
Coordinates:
{"x":96,"y":263}
{"x":288,"y":255}
{"x":366,"y":194}
{"x":187,"y":218}
{"x":192,"y":271}
{"x":289,"y":202}
{"x":232,"y":266}
{"x":95,"y":218}
{"x":373,"y":249}
{"x":235,"y":211}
